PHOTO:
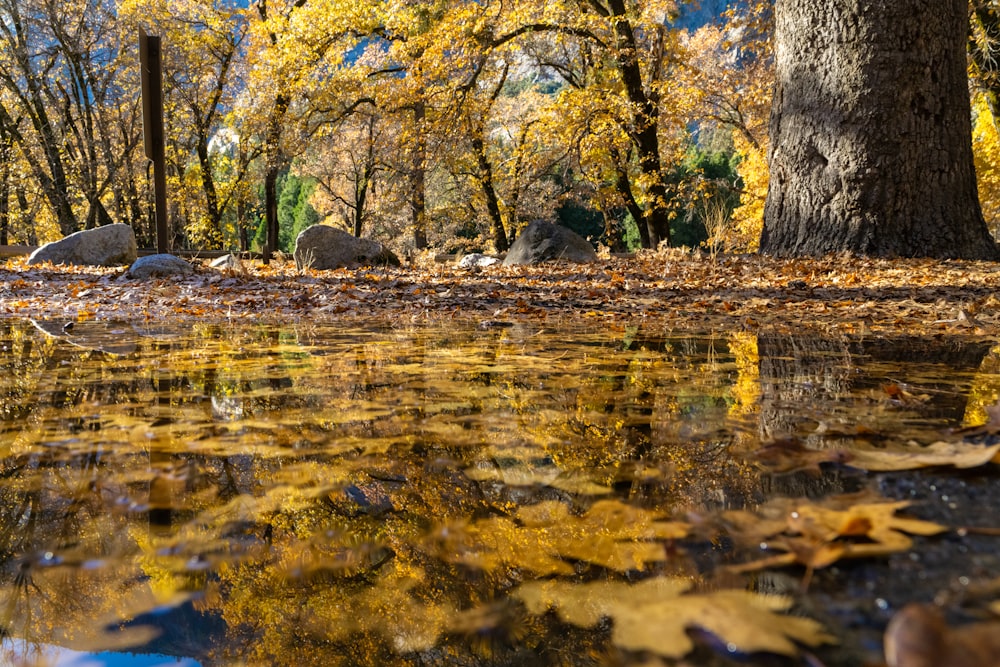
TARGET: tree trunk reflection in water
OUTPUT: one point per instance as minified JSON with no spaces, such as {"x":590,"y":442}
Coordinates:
{"x":814,"y":385}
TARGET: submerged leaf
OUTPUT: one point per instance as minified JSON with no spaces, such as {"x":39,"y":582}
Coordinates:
{"x":655,"y":615}
{"x":611,"y":534}
{"x":522,"y":473}
{"x":789,"y":455}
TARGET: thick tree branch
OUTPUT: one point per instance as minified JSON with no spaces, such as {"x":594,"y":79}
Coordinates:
{"x":547,"y":27}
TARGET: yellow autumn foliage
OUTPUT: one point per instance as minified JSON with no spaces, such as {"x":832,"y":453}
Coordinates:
{"x":986,"y":153}
{"x":748,"y":217}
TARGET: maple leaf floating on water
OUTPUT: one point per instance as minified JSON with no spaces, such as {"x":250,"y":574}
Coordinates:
{"x":913,"y":456}
{"x":818,"y":535}
{"x":792,"y":455}
{"x":655,"y":615}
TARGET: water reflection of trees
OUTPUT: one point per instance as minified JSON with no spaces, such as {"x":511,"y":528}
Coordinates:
{"x":806,"y":379}
{"x":294,"y":483}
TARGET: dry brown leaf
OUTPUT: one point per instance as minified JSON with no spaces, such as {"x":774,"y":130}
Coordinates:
{"x":818,"y":535}
{"x":655,"y":615}
{"x":918,"y":636}
{"x":914,"y":456}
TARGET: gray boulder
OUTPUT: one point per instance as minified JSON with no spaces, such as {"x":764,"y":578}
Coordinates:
{"x":477,"y":261}
{"x":159,"y":266}
{"x":323,"y":248}
{"x":543,"y":242}
{"x":110,"y":245}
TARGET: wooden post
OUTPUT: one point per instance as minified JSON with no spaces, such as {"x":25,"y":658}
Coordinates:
{"x":152,"y":128}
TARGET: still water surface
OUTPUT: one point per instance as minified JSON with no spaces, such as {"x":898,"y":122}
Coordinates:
{"x":320,"y":495}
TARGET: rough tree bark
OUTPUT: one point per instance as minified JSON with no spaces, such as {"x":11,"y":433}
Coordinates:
{"x":871,"y":147}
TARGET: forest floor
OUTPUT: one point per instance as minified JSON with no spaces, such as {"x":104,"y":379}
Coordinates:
{"x":677,"y":289}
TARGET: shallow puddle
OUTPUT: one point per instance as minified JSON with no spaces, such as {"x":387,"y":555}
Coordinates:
{"x":319,"y":495}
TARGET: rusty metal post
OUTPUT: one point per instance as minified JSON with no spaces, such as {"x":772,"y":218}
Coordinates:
{"x":152,"y":128}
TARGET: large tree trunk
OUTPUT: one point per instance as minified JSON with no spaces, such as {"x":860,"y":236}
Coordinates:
{"x":871,"y":148}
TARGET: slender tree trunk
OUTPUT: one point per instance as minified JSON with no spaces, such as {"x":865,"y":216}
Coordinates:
{"x":490,"y":193}
{"x":625,"y":190}
{"x":56,"y":186}
{"x":208,"y":183}
{"x":273,"y":155}
{"x":4,"y":206}
{"x":270,"y":212}
{"x":241,"y":224}
{"x":6,"y":160}
{"x":871,"y":148}
{"x":275,"y":162}
{"x":34,"y":102}
{"x":361,"y":195}
{"x":22,"y":204}
{"x":97,"y":215}
{"x":644,"y":130}
{"x":418,"y":178}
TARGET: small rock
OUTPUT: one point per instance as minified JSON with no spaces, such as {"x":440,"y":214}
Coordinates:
{"x":477,"y":260}
{"x":159,"y":266}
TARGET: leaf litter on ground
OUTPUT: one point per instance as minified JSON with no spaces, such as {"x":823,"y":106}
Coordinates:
{"x":680,"y":288}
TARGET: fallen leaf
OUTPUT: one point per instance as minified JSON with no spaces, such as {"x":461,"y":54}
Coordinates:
{"x":655,"y":615}
{"x":913,"y":456}
{"x":818,"y":535}
{"x":918,"y":636}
